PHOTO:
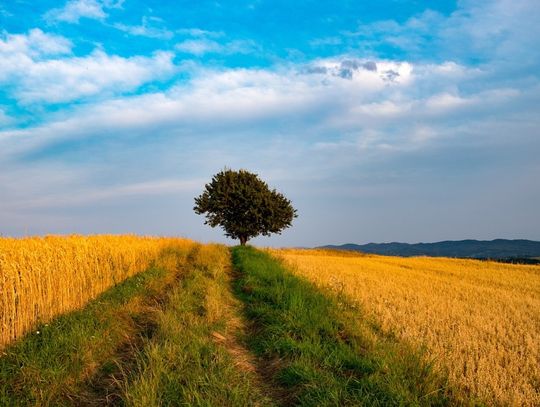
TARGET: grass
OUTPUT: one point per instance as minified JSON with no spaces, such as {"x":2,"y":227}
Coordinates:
{"x":479,"y":320}
{"x":317,"y":351}
{"x":196,"y":330}
{"x":146,"y":342}
{"x":75,"y":358}
{"x":183,"y":364}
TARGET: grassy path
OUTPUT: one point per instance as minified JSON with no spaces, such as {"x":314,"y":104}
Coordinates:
{"x":193,"y":331}
{"x":197,"y":332}
{"x":165,"y":337}
{"x":318,"y":352}
{"x":75,"y":360}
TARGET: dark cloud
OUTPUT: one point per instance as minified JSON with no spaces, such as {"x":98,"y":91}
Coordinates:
{"x":349,"y":66}
{"x":370,"y":66}
{"x":345,"y":69}
{"x":345,"y":73}
{"x":390,"y":75}
{"x":315,"y":70}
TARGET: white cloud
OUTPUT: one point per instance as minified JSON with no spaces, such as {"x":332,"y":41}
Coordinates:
{"x":5,"y":120}
{"x":37,"y":67}
{"x":204,"y":46}
{"x":494,"y":29}
{"x":198,"y":32}
{"x":96,"y":74}
{"x":79,"y":195}
{"x":341,"y":124}
{"x":35,"y":44}
{"x":386,"y":108}
{"x":445,"y":101}
{"x":367,"y":72}
{"x":486,"y":30}
{"x":74,"y":10}
{"x":422,"y":134}
{"x":198,"y":47}
{"x":150,"y":27}
{"x":313,"y":101}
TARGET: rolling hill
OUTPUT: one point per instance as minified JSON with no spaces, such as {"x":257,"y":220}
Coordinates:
{"x":478,"y":249}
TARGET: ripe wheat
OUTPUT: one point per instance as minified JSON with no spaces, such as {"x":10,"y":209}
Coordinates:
{"x":44,"y":277}
{"x":480,"y":321}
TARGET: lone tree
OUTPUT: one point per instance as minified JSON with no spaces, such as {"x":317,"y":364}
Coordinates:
{"x":244,"y":206}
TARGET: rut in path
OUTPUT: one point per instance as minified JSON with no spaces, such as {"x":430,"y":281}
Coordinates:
{"x":261,"y":371}
{"x":104,"y":387}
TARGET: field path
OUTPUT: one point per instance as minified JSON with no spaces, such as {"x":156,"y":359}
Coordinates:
{"x":206,"y":325}
{"x":313,"y":351}
{"x":105,"y":386}
{"x":168,"y":336}
{"x":246,"y":361}
{"x":238,"y":332}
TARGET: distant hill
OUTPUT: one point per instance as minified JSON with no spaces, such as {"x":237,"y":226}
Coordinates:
{"x":501,"y":249}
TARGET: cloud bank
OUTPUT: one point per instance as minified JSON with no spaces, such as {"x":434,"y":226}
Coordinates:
{"x":422,"y":128}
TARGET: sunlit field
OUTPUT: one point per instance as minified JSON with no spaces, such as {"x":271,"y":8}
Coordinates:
{"x":479,"y":321}
{"x":41,"y":278}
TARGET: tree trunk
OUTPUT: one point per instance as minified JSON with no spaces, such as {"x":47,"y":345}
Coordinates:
{"x":243,"y":240}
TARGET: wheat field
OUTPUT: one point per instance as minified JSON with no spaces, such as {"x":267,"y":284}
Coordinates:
{"x":43,"y":277}
{"x":479,"y":321}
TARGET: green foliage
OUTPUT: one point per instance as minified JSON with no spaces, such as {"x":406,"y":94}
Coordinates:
{"x":244,"y":206}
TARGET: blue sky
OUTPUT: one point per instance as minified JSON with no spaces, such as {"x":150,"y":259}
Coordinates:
{"x":382,"y":120}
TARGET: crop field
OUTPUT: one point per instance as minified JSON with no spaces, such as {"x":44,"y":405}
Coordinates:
{"x":137,"y":321}
{"x":478,"y":321}
{"x":41,"y":278}
{"x":121,"y":320}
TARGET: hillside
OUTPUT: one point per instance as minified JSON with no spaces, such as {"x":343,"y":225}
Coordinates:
{"x":478,"y":249}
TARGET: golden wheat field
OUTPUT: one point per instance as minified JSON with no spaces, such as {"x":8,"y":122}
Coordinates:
{"x":41,"y":278}
{"x":479,"y":321}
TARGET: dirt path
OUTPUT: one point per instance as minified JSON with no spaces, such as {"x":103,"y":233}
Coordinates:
{"x":104,"y":387}
{"x":233,"y":340}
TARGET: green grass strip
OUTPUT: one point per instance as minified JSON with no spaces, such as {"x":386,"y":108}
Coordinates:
{"x":183,"y":365}
{"x":77,"y":359}
{"x":52,"y":365}
{"x":317,"y":351}
{"x":146,"y":342}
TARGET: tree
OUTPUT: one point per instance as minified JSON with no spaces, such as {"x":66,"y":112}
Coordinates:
{"x":244,"y":206}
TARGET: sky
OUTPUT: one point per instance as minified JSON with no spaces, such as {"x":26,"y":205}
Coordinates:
{"x":383,"y":120}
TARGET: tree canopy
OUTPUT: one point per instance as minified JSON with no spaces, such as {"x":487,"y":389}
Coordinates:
{"x":244,"y":206}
